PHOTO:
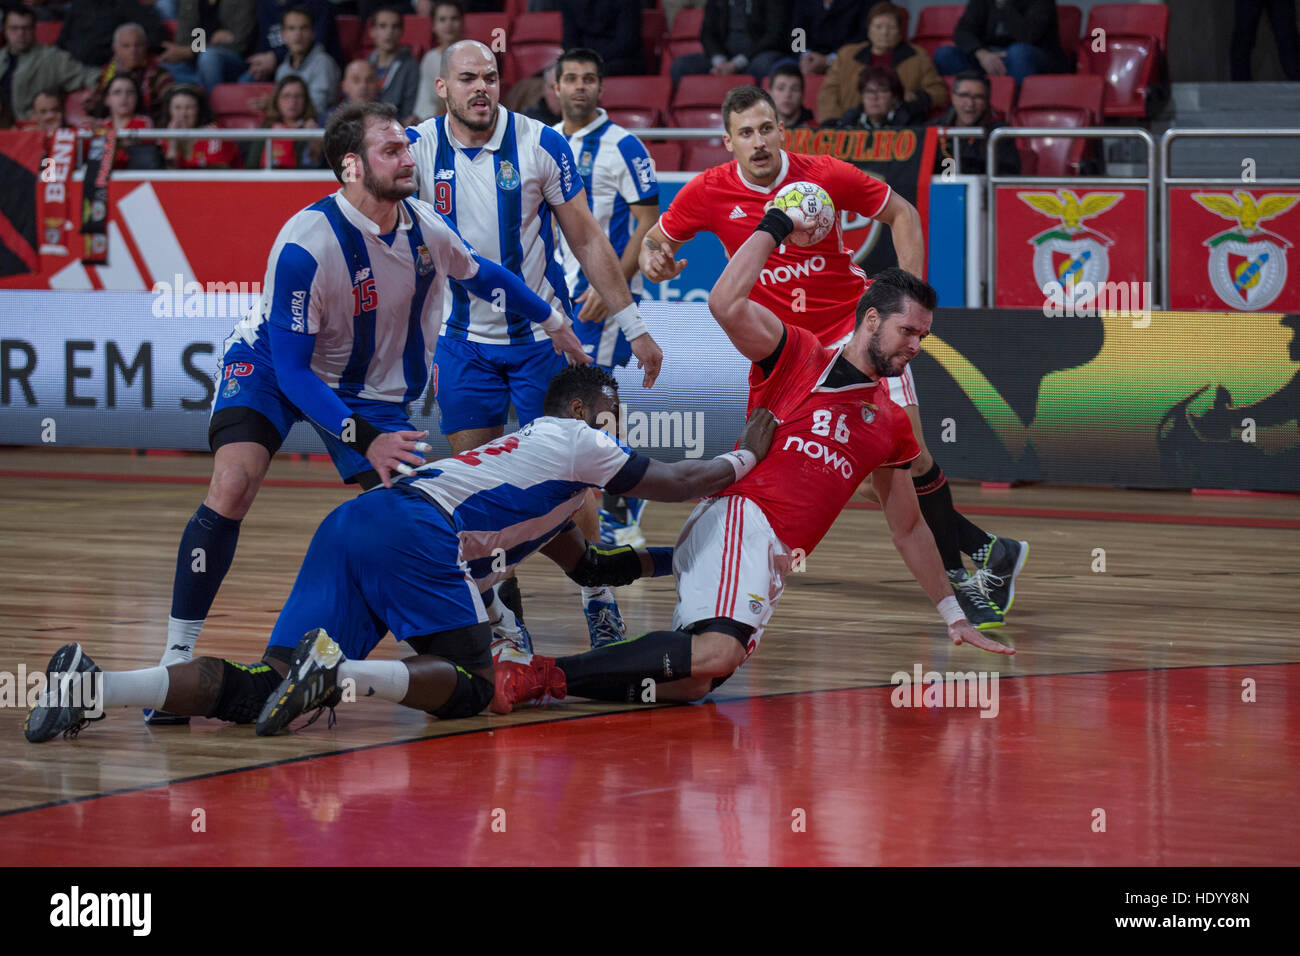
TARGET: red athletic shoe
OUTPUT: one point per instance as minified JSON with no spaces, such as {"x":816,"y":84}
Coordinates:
{"x":517,"y":683}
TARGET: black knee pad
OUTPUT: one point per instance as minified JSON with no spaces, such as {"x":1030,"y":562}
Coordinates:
{"x":725,"y":625}
{"x":244,"y":690}
{"x":471,"y":695}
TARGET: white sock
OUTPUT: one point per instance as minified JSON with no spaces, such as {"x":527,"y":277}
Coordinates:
{"x":181,"y":638}
{"x":142,"y":688}
{"x":387,"y":680}
{"x":597,"y":594}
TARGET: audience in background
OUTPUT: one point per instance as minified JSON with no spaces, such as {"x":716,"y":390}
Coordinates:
{"x":46,"y":112}
{"x":228,"y":29}
{"x":739,"y":36}
{"x":308,"y":59}
{"x":271,"y":50}
{"x":360,"y":85}
{"x":536,"y":97}
{"x":186,"y":107}
{"x":787,"y":94}
{"x":27,"y":67}
{"x":448,"y":27}
{"x":89,"y":24}
{"x":971,"y":107}
{"x":121,"y":109}
{"x":610,"y":29}
{"x":131,"y":58}
{"x":395,"y":68}
{"x":290,"y":107}
{"x":880,"y":103}
{"x":827,"y":27}
{"x":923,"y":87}
{"x":1015,"y":38}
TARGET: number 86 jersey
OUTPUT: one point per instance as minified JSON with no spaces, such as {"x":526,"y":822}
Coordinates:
{"x":829,"y":440}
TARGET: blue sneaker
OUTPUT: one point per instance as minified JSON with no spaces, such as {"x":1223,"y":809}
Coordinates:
{"x":511,"y":640}
{"x":604,"y":623}
{"x":615,"y":533}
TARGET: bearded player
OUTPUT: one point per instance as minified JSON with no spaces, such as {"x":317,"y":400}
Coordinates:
{"x":836,"y":424}
{"x":817,"y":288}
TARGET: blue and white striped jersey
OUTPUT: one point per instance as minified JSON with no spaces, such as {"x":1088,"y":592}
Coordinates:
{"x":374,"y":302}
{"x":509,"y":497}
{"x":499,"y":197}
{"x":616,"y":171}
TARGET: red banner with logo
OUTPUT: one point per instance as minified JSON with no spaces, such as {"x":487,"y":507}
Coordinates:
{"x":1229,"y":247}
{"x":1090,"y":242}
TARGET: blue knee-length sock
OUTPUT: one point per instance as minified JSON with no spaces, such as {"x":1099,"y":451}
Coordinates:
{"x":206,"y":551}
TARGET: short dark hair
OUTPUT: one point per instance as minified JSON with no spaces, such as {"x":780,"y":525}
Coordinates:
{"x":585,"y":382}
{"x":884,"y":7}
{"x":888,"y":291}
{"x":979,"y":78}
{"x":786,"y":69}
{"x":16,"y":11}
{"x":460,"y":7}
{"x":346,"y":131}
{"x":881,"y":75}
{"x":741,"y":98}
{"x":186,"y":89}
{"x":581,"y":54}
{"x":388,"y":8}
{"x":299,"y":9}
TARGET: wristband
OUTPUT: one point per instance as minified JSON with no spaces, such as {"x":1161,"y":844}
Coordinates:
{"x":663,"y":559}
{"x":555,"y":322}
{"x":950,"y":611}
{"x":742,"y":460}
{"x":629,"y":320}
{"x":776,"y":224}
{"x":363,"y":434}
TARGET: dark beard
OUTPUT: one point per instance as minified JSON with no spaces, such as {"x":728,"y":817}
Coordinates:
{"x":478,"y":127}
{"x":879,"y":362}
{"x":392,"y":192}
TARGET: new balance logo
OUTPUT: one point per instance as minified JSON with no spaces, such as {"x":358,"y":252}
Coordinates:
{"x":180,"y":647}
{"x":737,"y":213}
{"x":361,"y":275}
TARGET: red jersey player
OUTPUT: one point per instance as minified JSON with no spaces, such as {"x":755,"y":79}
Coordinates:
{"x":817,"y":288}
{"x":836,"y":425}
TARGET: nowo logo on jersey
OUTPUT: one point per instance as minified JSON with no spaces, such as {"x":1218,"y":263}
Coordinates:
{"x":819,"y":452}
{"x":1247,"y":264}
{"x":786,"y":273}
{"x":1071,"y":255}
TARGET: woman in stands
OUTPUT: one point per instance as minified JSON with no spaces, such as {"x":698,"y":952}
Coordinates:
{"x":923,"y":87}
{"x":290,"y":107}
{"x":121,"y":101}
{"x":186,"y":107}
{"x":880,"y":104}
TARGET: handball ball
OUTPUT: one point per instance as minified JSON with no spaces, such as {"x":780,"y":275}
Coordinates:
{"x":810,"y":208}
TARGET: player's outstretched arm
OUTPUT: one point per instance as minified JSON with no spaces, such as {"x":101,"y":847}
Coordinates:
{"x":754,"y":330}
{"x":905,"y":229}
{"x":916,"y":545}
{"x":496,"y":284}
{"x":655,"y":256}
{"x":594,"y":567}
{"x":683,"y":480}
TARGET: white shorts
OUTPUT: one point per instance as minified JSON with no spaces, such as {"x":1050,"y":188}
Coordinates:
{"x":902,"y":388}
{"x":729,"y":563}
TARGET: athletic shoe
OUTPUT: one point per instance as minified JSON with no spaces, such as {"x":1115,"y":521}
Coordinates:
{"x":62,"y":706}
{"x":1005,"y":561}
{"x":510,"y":639}
{"x":604,"y":623}
{"x":519,"y":682}
{"x":615,"y":533}
{"x":974,"y":601}
{"x":312,"y":683}
{"x":160,"y":718}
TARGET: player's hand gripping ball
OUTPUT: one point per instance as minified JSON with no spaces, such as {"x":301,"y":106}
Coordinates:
{"x":810,"y":208}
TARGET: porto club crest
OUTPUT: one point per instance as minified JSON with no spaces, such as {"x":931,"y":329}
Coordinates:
{"x":1247,"y":264}
{"x":1069,"y":253}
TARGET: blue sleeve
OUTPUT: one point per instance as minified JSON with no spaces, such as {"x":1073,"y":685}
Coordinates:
{"x":492,"y":276}
{"x":295,"y":271}
{"x":640,"y":168}
{"x":292,"y":352}
{"x":558,"y":149}
{"x":630,"y":475}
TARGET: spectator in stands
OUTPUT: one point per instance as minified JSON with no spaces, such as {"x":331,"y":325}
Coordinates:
{"x":1015,"y":38}
{"x":121,"y":109}
{"x":131,"y":58}
{"x":271,"y":49}
{"x":26,"y":67}
{"x":186,"y":107}
{"x":290,"y":107}
{"x":827,"y":26}
{"x":308,"y":59}
{"x":787,"y":94}
{"x":923,"y":87}
{"x":880,"y":103}
{"x":536,"y":97}
{"x":970,"y":107}
{"x":395,"y":69}
{"x":1245,"y":28}
{"x":739,"y":36}
{"x":46,"y":112}
{"x":609,"y":29}
{"x":448,"y":27}
{"x":228,"y":26}
{"x":89,"y":24}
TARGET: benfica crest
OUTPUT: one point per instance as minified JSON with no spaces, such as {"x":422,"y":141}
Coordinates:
{"x":1247,"y":264}
{"x":1069,"y":254}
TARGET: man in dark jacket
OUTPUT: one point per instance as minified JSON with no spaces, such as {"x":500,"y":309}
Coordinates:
{"x":827,"y":27}
{"x":739,"y":36}
{"x":1017,"y":38}
{"x":970,"y":107}
{"x":609,"y":29}
{"x":88,"y":28}
{"x":270,"y":48}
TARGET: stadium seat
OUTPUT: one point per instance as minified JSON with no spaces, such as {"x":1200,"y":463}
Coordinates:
{"x":530,"y":59}
{"x":811,"y":84}
{"x":170,"y":27}
{"x":637,"y":92}
{"x":351,"y":36}
{"x":1133,"y":63}
{"x":1048,"y":90}
{"x":545,"y":27}
{"x":536,"y":40}
{"x":231,"y":99}
{"x":239,"y":120}
{"x":1065,"y":101}
{"x":1132,"y":19}
{"x":702,"y":154}
{"x":74,"y":108}
{"x":1069,"y":20}
{"x":482,"y":27}
{"x":417,"y":34}
{"x":1002,"y":93}
{"x":683,"y":37}
{"x":47,"y":32}
{"x":653,"y":34}
{"x":706,"y":90}
{"x":667,"y":157}
{"x":935,"y":25}
{"x":641,"y":118}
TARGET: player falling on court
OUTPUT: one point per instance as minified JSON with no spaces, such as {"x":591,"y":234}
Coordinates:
{"x":817,"y":288}
{"x":500,"y":178}
{"x":414,"y":558}
{"x":836,"y":425}
{"x":623,"y":194}
{"x":342,"y":337}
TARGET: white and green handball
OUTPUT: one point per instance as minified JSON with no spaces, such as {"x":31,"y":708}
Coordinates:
{"x":809,"y":208}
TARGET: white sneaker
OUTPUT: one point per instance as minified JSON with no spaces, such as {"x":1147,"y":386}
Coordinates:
{"x":511,"y":640}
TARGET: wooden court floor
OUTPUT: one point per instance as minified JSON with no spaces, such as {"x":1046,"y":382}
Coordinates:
{"x":1150,"y":717}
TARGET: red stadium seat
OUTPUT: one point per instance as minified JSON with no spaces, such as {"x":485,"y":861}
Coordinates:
{"x":636,"y":118}
{"x":528,"y":60}
{"x":935,"y":25}
{"x":667,"y":157}
{"x":232,"y":98}
{"x":811,"y":84}
{"x":239,"y":120}
{"x":636,"y":92}
{"x":351,"y":36}
{"x":483,"y":27}
{"x":654,"y":29}
{"x":417,"y":34}
{"x":537,"y":28}
{"x":1002,"y":93}
{"x":47,"y":32}
{"x":1069,"y":20}
{"x":74,"y":108}
{"x":1128,"y":67}
{"x":1063,"y":100}
{"x":1131,"y":19}
{"x":701,"y":154}
{"x":683,"y":37}
{"x":1063,"y":90}
{"x":706,"y":90}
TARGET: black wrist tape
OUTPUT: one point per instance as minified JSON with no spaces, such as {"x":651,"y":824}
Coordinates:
{"x":363,"y":434}
{"x":776,"y":224}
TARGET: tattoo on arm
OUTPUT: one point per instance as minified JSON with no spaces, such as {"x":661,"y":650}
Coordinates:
{"x":651,"y":244}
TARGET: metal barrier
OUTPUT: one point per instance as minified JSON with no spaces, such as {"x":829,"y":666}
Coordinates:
{"x":977,"y":132}
{"x":1149,"y":182}
{"x":1167,"y":180}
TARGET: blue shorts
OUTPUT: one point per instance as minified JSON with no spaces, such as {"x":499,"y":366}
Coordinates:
{"x":476,"y":383}
{"x":248,"y":381}
{"x":604,"y":341}
{"x":387,"y":560}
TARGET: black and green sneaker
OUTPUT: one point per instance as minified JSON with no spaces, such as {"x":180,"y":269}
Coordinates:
{"x":311,"y":684}
{"x":1001,"y":567}
{"x":67,"y":704}
{"x":974,"y":601}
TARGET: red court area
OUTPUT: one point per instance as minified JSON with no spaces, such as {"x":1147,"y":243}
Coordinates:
{"x":1185,"y":770}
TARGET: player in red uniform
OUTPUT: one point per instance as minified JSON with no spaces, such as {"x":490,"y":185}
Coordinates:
{"x":836,"y":425}
{"x":817,"y":287}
